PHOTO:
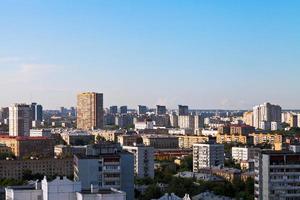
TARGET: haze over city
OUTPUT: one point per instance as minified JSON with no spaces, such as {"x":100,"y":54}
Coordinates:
{"x":222,"y":54}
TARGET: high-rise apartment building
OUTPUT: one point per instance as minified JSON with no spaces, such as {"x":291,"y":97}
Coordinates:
{"x":36,"y":112}
{"x":113,"y":109}
{"x":183,"y":110}
{"x":174,"y":120}
{"x":265,"y":114}
{"x":142,"y":110}
{"x":161,"y":110}
{"x":189,"y":121}
{"x":4,"y":114}
{"x":19,"y":120}
{"x":90,"y":111}
{"x":123,"y":109}
{"x":106,"y":166}
{"x":143,"y":160}
{"x":277,"y":175}
{"x":207,"y":155}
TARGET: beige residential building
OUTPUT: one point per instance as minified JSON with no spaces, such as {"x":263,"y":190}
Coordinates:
{"x":187,"y":141}
{"x":275,"y":140}
{"x":130,"y":140}
{"x":90,"y":111}
{"x":14,"y":169}
{"x":160,"y":141}
{"x":109,"y":135}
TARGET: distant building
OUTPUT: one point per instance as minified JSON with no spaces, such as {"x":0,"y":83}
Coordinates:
{"x":264,"y":114}
{"x":160,"y":141}
{"x":144,"y":125}
{"x":130,"y":139}
{"x":69,"y":150}
{"x":183,"y":110}
{"x":174,"y":120}
{"x":161,"y":110}
{"x":36,"y":112}
{"x":294,"y":121}
{"x":277,"y":175}
{"x":4,"y":114}
{"x":241,"y":129}
{"x":189,"y":121}
{"x":90,"y":111}
{"x":207,"y":155}
{"x":19,"y":120}
{"x":123,"y":109}
{"x":142,"y":110}
{"x":143,"y":160}
{"x":78,"y":138}
{"x":187,"y":141}
{"x":124,"y":121}
{"x":113,"y":109}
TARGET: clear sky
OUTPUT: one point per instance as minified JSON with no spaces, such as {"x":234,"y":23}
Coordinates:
{"x":206,"y":54}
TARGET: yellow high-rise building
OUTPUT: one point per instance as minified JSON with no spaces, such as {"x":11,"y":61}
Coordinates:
{"x":90,"y":111}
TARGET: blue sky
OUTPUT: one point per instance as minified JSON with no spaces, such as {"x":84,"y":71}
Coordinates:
{"x":207,"y":54}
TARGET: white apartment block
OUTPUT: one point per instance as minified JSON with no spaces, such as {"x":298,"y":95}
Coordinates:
{"x":189,"y":121}
{"x":143,"y":160}
{"x":61,"y":189}
{"x":264,"y":114}
{"x":242,"y":153}
{"x":207,"y":155}
{"x":19,"y":120}
{"x":277,"y":175}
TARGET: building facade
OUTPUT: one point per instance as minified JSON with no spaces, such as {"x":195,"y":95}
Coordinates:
{"x":90,"y":114}
{"x":277,"y":175}
{"x":19,"y":120}
{"x":143,"y":160}
{"x":207,"y":155}
{"x":264,"y":114}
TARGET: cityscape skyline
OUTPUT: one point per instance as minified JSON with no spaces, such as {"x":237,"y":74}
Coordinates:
{"x":204,"y":54}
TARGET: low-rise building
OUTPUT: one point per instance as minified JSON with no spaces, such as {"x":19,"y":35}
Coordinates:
{"x":78,"y":137}
{"x":69,"y":150}
{"x":22,"y":146}
{"x":109,"y":135}
{"x":14,"y":169}
{"x":160,"y":141}
{"x":276,"y":140}
{"x":227,"y":138}
{"x":129,"y":139}
{"x":229,"y":174}
{"x":187,"y":141}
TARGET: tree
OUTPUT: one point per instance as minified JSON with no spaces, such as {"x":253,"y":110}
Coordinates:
{"x":99,"y":139}
{"x":187,"y":164}
{"x":152,"y":192}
